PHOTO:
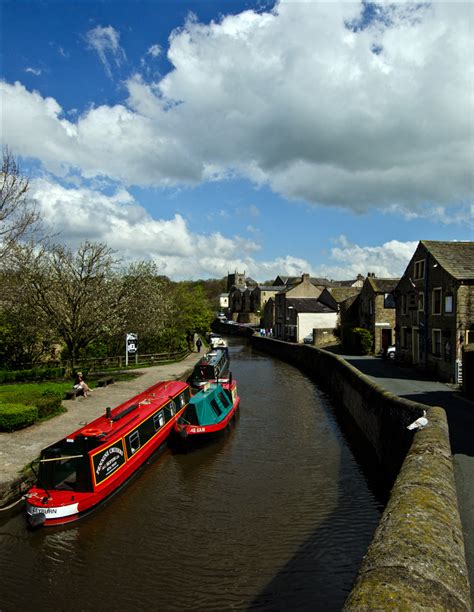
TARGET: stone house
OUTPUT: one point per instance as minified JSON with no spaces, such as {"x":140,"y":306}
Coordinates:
{"x":309,"y":316}
{"x":341,"y":299}
{"x":377,"y":310}
{"x":261,"y":294}
{"x":303,"y":288}
{"x":435,"y":307}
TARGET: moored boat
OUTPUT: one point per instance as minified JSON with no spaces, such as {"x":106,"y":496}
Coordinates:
{"x":209,"y":412}
{"x":81,"y":471}
{"x":212,"y":367}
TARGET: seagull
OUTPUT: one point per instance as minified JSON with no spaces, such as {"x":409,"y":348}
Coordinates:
{"x":419,"y":423}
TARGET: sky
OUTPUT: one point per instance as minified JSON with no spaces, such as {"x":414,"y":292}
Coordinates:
{"x":271,"y":138}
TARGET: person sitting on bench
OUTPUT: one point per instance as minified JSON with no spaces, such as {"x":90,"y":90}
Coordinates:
{"x":80,"y":386}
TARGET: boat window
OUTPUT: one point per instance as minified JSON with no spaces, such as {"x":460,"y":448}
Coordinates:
{"x":190,"y":416}
{"x":134,"y":441}
{"x":158,"y":420}
{"x":64,"y":467}
{"x":182,"y":400}
{"x":223,"y":398}
{"x":215,"y":406}
{"x":172,"y":407}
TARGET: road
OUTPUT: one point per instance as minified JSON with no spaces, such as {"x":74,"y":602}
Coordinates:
{"x":407,"y":383}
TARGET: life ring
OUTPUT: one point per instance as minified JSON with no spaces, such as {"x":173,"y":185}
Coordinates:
{"x":92,"y":431}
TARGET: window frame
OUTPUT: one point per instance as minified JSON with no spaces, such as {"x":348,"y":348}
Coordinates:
{"x":419,"y":269}
{"x":446,"y":297}
{"x":134,"y":437}
{"x":435,"y":291}
{"x":435,"y":332}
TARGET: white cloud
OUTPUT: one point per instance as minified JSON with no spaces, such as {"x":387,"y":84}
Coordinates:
{"x":106,"y":43}
{"x":154,"y":50}
{"x":290,"y":98}
{"x":35,"y":71}
{"x":80,"y":213}
{"x":388,"y":260}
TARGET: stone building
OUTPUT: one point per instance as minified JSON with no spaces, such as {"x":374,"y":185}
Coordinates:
{"x":377,"y":310}
{"x":303,"y":288}
{"x":435,"y":307}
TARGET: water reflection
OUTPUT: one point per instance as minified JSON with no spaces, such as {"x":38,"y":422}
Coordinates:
{"x":277,"y":515}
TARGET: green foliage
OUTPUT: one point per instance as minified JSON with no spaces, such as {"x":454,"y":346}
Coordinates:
{"x":33,"y":374}
{"x":17,"y":416}
{"x":49,"y":403}
{"x":358,"y":341}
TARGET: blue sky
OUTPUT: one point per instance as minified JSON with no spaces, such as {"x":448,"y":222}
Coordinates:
{"x":275,"y":138}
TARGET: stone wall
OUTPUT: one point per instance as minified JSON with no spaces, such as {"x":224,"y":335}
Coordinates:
{"x":416,"y":560}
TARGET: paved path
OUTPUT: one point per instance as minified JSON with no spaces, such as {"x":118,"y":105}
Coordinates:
{"x":405,"y":382}
{"x":19,"y":448}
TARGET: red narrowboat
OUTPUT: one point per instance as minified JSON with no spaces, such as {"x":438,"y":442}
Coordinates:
{"x":209,"y":412}
{"x":81,"y":471}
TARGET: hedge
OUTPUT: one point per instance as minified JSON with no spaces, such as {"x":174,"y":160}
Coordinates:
{"x":17,"y":416}
{"x":31,"y":375}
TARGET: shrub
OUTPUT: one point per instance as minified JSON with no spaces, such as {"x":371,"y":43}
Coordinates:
{"x":32,"y":374}
{"x":358,"y":341}
{"x":17,"y":416}
{"x":49,"y":403}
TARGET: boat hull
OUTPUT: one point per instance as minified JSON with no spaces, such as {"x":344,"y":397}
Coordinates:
{"x":113,"y":449}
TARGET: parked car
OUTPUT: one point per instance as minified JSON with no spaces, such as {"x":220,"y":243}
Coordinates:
{"x":308,"y":339}
{"x":391,"y":352}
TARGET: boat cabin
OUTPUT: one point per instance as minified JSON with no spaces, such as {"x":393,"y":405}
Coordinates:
{"x":211,"y":368}
{"x":89,"y":456}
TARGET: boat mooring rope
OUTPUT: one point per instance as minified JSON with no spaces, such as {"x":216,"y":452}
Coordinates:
{"x":22,"y":498}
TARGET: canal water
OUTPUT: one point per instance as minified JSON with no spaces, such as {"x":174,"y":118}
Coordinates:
{"x":276,"y":516}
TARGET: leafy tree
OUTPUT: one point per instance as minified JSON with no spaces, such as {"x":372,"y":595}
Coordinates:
{"x":18,"y":213}
{"x":78,"y":293}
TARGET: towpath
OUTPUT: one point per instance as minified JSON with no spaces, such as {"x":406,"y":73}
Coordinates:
{"x":407,"y":383}
{"x":19,"y":448}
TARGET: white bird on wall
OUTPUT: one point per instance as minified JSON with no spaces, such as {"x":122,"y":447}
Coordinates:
{"x":419,"y":423}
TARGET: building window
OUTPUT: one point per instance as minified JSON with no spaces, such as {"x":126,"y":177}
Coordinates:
{"x":404,"y":304}
{"x":404,"y":338}
{"x":388,"y":300}
{"x":419,"y":269}
{"x":421,"y":302}
{"x":448,"y":303}
{"x":437,"y":301}
{"x":371,"y":307}
{"x":436,"y":342}
{"x":469,"y":336}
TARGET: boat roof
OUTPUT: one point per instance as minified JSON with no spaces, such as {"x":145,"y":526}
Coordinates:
{"x":213,"y":356}
{"x":202,"y":404}
{"x":137,"y":408}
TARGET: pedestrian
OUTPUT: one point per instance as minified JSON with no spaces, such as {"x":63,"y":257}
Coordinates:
{"x":198,"y":345}
{"x":81,"y":386}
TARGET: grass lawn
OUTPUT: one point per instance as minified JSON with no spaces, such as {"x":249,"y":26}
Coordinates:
{"x":28,"y":393}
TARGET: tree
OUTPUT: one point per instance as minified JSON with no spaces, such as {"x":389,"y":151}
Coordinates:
{"x":18,"y":213}
{"x":79,"y":293}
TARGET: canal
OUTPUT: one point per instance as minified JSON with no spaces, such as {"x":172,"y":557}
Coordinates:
{"x":276,"y":516}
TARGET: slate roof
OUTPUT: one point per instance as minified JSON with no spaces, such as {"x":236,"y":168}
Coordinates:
{"x":308,"y":305}
{"x":342,"y":293}
{"x":275,"y":288}
{"x":296,"y":280}
{"x":457,"y":258}
{"x":383,"y":285}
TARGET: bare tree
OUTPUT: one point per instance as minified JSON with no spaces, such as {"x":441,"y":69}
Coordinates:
{"x":18,"y":213}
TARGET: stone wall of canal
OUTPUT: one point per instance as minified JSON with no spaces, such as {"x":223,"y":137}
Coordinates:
{"x":416,"y":560}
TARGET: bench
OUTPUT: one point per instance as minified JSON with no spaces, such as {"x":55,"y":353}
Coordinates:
{"x":106,"y":380}
{"x":73,"y":393}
